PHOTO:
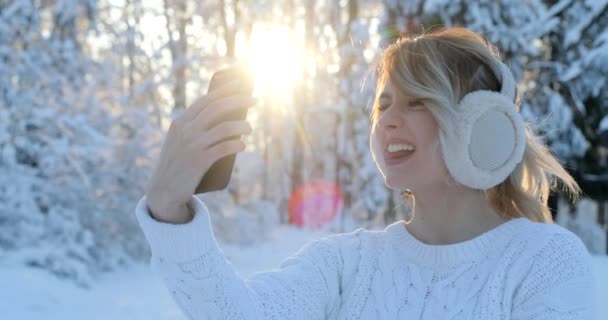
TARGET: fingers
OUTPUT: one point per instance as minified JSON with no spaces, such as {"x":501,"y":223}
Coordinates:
{"x":227,"y":89}
{"x":219,"y":110}
{"x":223,"y":149}
{"x":225,"y":130}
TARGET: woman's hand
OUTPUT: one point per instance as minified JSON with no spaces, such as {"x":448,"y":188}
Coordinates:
{"x":190,"y":149}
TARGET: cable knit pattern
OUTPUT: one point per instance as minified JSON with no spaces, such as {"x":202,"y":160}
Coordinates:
{"x":519,"y":270}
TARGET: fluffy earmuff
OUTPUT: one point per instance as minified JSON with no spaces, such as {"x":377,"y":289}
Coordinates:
{"x":489,"y":138}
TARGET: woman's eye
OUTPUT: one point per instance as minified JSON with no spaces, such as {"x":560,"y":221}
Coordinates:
{"x":416,"y":104}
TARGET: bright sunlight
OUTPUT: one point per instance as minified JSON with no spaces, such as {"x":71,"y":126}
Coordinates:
{"x":275,"y":60}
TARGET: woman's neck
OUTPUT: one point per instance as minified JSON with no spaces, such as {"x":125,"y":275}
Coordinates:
{"x":452,"y":215}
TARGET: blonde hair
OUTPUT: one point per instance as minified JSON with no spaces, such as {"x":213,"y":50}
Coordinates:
{"x":443,"y":65}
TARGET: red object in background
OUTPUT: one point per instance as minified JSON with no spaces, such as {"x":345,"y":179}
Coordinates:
{"x":315,"y":204}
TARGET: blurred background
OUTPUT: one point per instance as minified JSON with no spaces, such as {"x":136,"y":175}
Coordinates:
{"x":88,"y":90}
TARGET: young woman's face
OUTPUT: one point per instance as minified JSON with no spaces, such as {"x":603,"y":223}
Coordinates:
{"x":404,"y":143}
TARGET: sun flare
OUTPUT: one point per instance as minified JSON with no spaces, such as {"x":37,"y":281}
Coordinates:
{"x":274,"y":60}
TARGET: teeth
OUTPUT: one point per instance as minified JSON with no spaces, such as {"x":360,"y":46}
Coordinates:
{"x":399,"y":147}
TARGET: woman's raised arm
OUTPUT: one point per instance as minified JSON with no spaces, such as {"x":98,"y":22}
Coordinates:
{"x":206,"y":286}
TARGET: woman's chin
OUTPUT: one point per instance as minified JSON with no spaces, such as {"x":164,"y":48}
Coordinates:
{"x":396,"y":185}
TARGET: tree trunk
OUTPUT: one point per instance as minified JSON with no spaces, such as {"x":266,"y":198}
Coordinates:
{"x":347,"y":117}
{"x":178,"y":48}
{"x":230,"y":31}
{"x":302,"y":100}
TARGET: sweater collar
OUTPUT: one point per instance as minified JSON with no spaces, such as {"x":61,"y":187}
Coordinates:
{"x":451,"y":255}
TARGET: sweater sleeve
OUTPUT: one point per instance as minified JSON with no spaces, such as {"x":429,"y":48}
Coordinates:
{"x":559,"y":282}
{"x":205,"y":285}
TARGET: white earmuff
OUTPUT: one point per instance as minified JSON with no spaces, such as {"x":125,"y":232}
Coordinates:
{"x":490,"y":136}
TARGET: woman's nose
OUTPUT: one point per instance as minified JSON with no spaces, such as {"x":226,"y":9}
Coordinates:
{"x":390,"y":119}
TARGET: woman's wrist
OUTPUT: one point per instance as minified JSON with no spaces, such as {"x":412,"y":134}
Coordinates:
{"x":169,"y":212}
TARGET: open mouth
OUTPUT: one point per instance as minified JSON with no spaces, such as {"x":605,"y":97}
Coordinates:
{"x":395,"y":158}
{"x":397,"y":153}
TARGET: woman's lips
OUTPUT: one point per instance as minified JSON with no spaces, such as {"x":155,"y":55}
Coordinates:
{"x":395,"y":158}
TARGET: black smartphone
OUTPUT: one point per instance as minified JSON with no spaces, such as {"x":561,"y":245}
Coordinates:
{"x":218,"y":175}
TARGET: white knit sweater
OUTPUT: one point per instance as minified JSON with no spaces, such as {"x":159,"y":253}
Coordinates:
{"x":518,"y":270}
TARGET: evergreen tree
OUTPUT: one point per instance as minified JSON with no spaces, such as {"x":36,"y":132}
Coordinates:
{"x":56,"y":145}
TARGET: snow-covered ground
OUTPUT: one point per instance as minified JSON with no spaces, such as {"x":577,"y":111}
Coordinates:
{"x":136,"y":293}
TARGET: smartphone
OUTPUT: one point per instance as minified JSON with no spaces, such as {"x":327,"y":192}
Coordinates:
{"x":218,"y":175}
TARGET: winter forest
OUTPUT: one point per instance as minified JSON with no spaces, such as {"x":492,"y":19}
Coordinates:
{"x":88,"y":90}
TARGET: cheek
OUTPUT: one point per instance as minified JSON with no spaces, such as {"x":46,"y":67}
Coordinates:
{"x":376,"y":151}
{"x":431,"y":162}
{"x":435,"y":157}
{"x":424,"y":126}
{"x":434,"y":163}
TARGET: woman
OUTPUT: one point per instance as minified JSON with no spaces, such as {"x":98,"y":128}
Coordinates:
{"x":479,"y":243}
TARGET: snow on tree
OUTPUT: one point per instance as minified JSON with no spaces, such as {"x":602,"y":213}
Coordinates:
{"x":57,"y":145}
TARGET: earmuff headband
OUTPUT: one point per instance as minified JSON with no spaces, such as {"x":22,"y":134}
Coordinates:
{"x":489,"y":136}
{"x":507,"y":82}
